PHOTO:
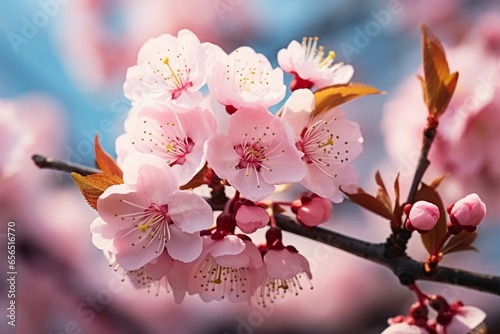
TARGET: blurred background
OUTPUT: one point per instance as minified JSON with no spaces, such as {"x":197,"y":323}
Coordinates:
{"x":62,"y":67}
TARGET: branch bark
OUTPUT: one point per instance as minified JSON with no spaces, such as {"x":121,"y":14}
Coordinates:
{"x":63,"y":166}
{"x":404,"y":267}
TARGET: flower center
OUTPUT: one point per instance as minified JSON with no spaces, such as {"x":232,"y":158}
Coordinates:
{"x":177,"y":149}
{"x":275,"y":288}
{"x":168,"y":141}
{"x":315,"y":53}
{"x":247,"y":75}
{"x":222,"y":280}
{"x":177,"y":79}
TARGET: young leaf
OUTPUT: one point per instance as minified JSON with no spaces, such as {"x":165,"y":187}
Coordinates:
{"x":382,"y":194}
{"x":434,"y":236}
{"x":104,"y":161}
{"x":460,"y":242}
{"x":370,"y":203}
{"x":439,"y":84}
{"x":335,"y":95}
{"x":92,"y":186}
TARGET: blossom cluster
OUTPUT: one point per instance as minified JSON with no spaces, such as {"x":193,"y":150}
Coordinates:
{"x":159,"y":229}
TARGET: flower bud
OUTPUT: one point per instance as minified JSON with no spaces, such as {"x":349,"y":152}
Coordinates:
{"x":422,"y":217}
{"x":467,"y":212}
{"x":312,"y":210}
{"x":250,"y":218}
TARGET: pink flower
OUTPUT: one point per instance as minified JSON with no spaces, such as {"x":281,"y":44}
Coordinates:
{"x":312,"y":210}
{"x":16,"y":139}
{"x":226,"y":269}
{"x":463,"y":320}
{"x":306,"y":62}
{"x":456,"y":318}
{"x":250,"y":217}
{"x":256,"y":154}
{"x":284,"y":267}
{"x":329,"y":142}
{"x":148,"y":214}
{"x":179,"y":139}
{"x":423,"y":217}
{"x":245,"y":79}
{"x":404,"y":328}
{"x":169,"y":70}
{"x":468,"y":212}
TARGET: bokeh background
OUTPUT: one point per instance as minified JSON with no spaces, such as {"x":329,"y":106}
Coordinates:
{"x":62,"y":67}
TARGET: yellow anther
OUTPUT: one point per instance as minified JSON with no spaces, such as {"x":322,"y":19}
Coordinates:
{"x":329,"y":141}
{"x":331,"y":56}
{"x":166,"y":61}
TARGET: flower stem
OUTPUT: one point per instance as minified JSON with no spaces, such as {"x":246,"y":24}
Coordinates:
{"x":422,"y":297}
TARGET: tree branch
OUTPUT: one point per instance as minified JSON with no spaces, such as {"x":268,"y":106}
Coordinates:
{"x":397,"y":241}
{"x":63,"y":166}
{"x":404,"y":267}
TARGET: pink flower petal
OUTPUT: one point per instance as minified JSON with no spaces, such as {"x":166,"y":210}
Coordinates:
{"x":182,"y":246}
{"x":189,"y":212}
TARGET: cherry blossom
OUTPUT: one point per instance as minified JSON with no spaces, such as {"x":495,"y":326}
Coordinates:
{"x":423,"y":216}
{"x":178,"y":138}
{"x":256,"y":154}
{"x":467,"y":212}
{"x":250,"y":217}
{"x":169,"y":70}
{"x":309,"y":66}
{"x":226,"y":270}
{"x":312,"y":210}
{"x":245,"y":78}
{"x":330,"y":143}
{"x":284,"y":267}
{"x":463,"y":320}
{"x":404,"y":328}
{"x":148,"y":214}
{"x":456,"y":318}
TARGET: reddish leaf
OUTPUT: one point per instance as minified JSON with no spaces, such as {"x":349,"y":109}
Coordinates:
{"x":460,"y":242}
{"x":104,"y":161}
{"x":432,"y":238}
{"x":436,"y":182}
{"x":370,"y":203}
{"x":382,"y":194}
{"x":396,"y":192}
{"x":439,"y":84}
{"x":197,"y":180}
{"x":92,"y":186}
{"x":333,"y":96}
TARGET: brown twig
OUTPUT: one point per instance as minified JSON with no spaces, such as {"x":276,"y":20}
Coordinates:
{"x":63,"y":166}
{"x":404,"y":267}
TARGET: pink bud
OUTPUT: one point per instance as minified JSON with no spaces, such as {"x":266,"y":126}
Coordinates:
{"x":312,"y":211}
{"x":250,"y":218}
{"x":469,"y":211}
{"x":423,"y":217}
